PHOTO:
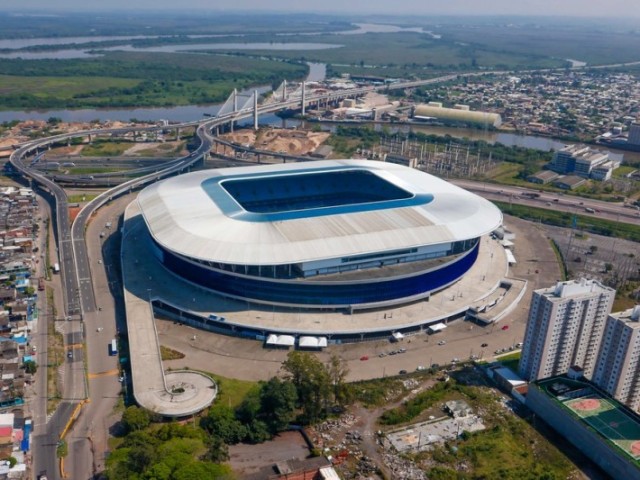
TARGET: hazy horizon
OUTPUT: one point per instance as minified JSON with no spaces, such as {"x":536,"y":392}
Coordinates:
{"x":568,"y":8}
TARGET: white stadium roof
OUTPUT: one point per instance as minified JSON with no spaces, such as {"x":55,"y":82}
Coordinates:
{"x":186,"y":219}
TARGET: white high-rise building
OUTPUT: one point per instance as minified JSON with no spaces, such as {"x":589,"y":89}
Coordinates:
{"x":565,"y":327}
{"x":618,"y":367}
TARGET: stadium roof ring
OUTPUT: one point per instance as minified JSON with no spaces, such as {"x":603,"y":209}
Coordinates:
{"x":329,"y":234}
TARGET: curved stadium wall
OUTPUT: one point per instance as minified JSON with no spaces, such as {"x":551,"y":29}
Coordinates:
{"x":321,"y":294}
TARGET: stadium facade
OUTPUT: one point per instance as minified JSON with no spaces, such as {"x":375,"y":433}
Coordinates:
{"x":338,"y":234}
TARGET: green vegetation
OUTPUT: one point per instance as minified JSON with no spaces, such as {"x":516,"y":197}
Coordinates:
{"x":170,"y":452}
{"x":30,"y":367}
{"x":133,"y":79}
{"x":55,"y":354}
{"x":62,"y":449}
{"x":135,"y":418}
{"x":106,"y":148}
{"x":170,"y":354}
{"x":231,"y":391}
{"x":410,"y":410}
{"x":561,"y":260}
{"x":161,"y":23}
{"x":92,"y":170}
{"x":81,"y":197}
{"x":378,"y":392}
{"x":508,"y":449}
{"x":511,"y":361}
{"x":595,"y":225}
{"x":403,"y":54}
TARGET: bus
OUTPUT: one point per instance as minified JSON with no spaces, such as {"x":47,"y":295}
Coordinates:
{"x":113,"y":347}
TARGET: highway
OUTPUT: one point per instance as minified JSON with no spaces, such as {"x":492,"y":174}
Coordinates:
{"x":552,"y":201}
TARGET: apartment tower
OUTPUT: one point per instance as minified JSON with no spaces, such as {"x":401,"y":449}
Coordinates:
{"x":565,"y":327}
{"x":618,"y":366}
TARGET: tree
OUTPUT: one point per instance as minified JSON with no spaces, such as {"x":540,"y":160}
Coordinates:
{"x":593,"y":248}
{"x":135,"y":418}
{"x":338,"y":371}
{"x":250,"y":407}
{"x":277,"y":404}
{"x":221,"y":422}
{"x":312,"y":382}
{"x":217,"y":450}
{"x":30,"y":367}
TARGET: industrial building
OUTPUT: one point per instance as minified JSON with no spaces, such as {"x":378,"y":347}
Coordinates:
{"x":460,"y":115}
{"x":335,"y":234}
{"x":565,"y":328}
{"x":583,"y":161}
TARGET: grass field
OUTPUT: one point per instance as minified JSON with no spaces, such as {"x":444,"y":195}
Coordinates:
{"x":612,"y":422}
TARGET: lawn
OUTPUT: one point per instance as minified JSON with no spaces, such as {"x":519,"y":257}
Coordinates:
{"x":231,"y":391}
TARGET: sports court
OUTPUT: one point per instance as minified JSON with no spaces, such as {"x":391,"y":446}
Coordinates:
{"x":609,"y":420}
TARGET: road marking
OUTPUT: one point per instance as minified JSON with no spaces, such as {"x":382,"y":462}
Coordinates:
{"x":108,"y":373}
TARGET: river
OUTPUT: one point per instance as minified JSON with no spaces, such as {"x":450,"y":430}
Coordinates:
{"x":545,"y":144}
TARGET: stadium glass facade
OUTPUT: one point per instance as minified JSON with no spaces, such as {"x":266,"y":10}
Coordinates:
{"x":321,"y":294}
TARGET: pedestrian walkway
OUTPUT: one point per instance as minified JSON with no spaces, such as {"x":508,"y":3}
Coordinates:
{"x":175,"y":394}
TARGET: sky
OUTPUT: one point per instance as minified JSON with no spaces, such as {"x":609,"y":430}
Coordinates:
{"x":592,"y":8}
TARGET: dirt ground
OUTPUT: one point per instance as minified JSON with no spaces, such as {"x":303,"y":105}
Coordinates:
{"x":295,"y":142}
{"x":246,"y":459}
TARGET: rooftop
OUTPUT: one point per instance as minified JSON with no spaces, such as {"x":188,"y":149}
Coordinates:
{"x":214,"y":215}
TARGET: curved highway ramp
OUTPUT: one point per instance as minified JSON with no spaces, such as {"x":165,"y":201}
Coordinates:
{"x":178,"y":393}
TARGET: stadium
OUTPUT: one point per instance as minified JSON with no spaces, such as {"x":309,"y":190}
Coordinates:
{"x":336,"y":234}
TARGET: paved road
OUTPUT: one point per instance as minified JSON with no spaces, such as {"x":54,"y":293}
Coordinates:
{"x":552,"y":201}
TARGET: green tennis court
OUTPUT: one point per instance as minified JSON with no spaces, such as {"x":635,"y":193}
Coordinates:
{"x":612,"y":422}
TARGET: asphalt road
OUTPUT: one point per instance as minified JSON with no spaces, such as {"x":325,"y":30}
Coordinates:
{"x":552,"y":201}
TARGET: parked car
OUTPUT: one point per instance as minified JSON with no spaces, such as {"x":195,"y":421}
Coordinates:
{"x":442,"y":342}
{"x":484,"y":345}
{"x":505,"y":327}
{"x":403,"y":372}
{"x":364,"y":357}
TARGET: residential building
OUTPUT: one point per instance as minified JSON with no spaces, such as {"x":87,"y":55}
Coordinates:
{"x":565,"y":327}
{"x":618,"y":363}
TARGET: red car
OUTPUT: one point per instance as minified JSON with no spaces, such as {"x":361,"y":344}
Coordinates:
{"x":364,"y":357}
{"x":506,"y":327}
